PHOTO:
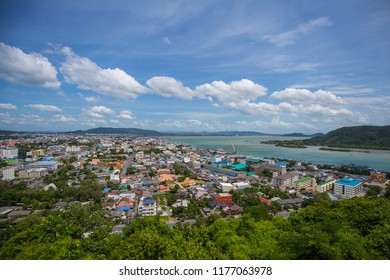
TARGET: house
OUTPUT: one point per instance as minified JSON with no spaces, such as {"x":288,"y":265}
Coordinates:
{"x":241,"y":185}
{"x":234,"y":210}
{"x":114,"y":176}
{"x":291,"y":201}
{"x":264,"y":200}
{"x":223,"y":197}
{"x":167,"y":177}
{"x":226,"y":187}
{"x":163,"y":189}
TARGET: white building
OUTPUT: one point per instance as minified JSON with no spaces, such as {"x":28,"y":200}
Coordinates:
{"x":8,"y":173}
{"x":348,"y":187}
{"x":73,"y":149}
{"x":241,"y":185}
{"x":114,"y":176}
{"x":9,"y":152}
{"x":147,"y":207}
{"x":226,"y":187}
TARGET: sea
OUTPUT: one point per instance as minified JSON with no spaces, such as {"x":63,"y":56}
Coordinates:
{"x":253,"y":146}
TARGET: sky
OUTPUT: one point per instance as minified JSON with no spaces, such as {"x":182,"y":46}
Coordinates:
{"x":270,"y":66}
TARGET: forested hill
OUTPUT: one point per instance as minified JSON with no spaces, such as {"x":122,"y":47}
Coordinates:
{"x":364,"y":137}
{"x":349,"y":229}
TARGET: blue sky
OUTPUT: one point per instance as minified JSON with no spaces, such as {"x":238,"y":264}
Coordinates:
{"x":270,"y":66}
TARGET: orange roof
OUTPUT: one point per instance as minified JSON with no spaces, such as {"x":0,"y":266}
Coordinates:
{"x":167,"y":177}
{"x":262,"y":199}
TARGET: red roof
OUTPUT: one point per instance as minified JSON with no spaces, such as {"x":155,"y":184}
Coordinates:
{"x":262,"y":199}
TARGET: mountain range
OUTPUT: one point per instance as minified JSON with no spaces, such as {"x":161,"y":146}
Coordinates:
{"x":364,"y":137}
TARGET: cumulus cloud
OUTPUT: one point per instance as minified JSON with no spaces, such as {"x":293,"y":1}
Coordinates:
{"x":92,"y":114}
{"x":293,"y":95}
{"x":169,"y":87}
{"x":102,"y":110}
{"x":43,"y":107}
{"x":66,"y":119}
{"x":290,"y":37}
{"x":126,"y":115}
{"x":88,"y":75}
{"x":8,"y":106}
{"x":90,"y":99}
{"x":29,"y":69}
{"x":237,"y":90}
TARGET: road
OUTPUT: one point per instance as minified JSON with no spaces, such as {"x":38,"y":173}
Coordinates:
{"x":126,"y":164}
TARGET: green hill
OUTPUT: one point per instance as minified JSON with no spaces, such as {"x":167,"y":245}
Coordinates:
{"x":359,"y":137}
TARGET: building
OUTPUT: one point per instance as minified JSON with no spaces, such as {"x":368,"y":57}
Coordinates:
{"x":114,"y":176}
{"x":147,"y":206}
{"x":307,"y":183}
{"x":8,"y":173}
{"x":226,"y":187}
{"x":326,"y":186}
{"x":259,"y":168}
{"x":348,"y":187}
{"x":38,"y":153}
{"x":223,"y":197}
{"x":241,"y":185}
{"x":49,"y":165}
{"x":9,"y":152}
{"x":33,"y":173}
{"x":285,"y":180}
{"x":73,"y":149}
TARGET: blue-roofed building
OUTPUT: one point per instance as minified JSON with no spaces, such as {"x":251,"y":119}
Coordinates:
{"x":280,"y":163}
{"x":240,"y":166}
{"x":348,"y":187}
{"x":49,"y":165}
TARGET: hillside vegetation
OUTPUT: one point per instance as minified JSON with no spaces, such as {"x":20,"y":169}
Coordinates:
{"x":350,"y":229}
{"x":364,"y":137}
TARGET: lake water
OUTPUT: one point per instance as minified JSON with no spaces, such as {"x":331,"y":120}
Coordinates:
{"x":252,"y":146}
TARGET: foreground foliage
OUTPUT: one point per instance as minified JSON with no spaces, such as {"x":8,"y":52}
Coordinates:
{"x":350,"y":229}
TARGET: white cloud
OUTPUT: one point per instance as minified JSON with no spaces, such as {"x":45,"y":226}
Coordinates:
{"x":102,"y":110}
{"x":114,"y":121}
{"x":92,"y":114}
{"x":293,"y":95}
{"x":233,"y":92}
{"x":286,"y":64}
{"x":90,"y":99}
{"x":126,"y":115}
{"x":43,"y":107}
{"x":61,"y":93}
{"x":167,"y":41}
{"x":290,"y":37}
{"x":88,"y":75}
{"x":169,"y":87}
{"x":6,"y":118}
{"x":8,"y":106}
{"x":28,"y":69}
{"x":66,"y":119}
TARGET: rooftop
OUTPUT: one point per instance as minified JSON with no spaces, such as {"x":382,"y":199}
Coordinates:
{"x":348,"y":181}
{"x":303,"y":180}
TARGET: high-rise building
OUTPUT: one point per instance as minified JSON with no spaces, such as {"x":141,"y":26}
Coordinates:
{"x":348,"y":187}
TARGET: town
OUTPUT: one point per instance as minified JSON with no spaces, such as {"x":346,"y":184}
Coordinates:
{"x":133,"y":177}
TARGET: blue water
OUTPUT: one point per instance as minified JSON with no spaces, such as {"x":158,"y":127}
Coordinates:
{"x":252,"y":146}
